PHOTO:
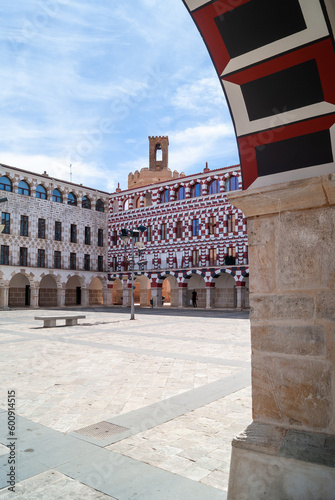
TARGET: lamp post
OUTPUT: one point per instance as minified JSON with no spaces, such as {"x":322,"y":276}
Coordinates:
{"x":126,"y":235}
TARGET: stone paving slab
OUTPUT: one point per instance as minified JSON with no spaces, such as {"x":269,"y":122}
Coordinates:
{"x":125,"y":372}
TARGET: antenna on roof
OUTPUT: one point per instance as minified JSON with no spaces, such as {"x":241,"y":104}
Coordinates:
{"x":70,"y":172}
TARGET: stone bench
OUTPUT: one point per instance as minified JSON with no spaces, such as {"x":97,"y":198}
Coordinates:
{"x":50,"y":321}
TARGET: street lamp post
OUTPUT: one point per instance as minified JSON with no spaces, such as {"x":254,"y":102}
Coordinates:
{"x":126,"y":235}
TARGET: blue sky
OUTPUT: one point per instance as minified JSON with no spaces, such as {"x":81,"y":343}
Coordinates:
{"x":85,"y":83}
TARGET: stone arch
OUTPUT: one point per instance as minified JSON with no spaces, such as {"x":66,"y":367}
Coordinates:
{"x":48,"y":291}
{"x":19,"y":291}
{"x":96,"y":297}
{"x":225,"y":289}
{"x":170,"y":289}
{"x":142,"y":292}
{"x":117,"y":294}
{"x":73,"y":288}
{"x":196,"y":281}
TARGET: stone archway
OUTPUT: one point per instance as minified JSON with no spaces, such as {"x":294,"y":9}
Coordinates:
{"x":224,"y":291}
{"x":170,"y":291}
{"x":117,"y":295}
{"x":73,"y":291}
{"x":48,"y":292}
{"x":19,"y":291}
{"x":96,"y":297}
{"x":142,"y":292}
{"x":196,"y":282}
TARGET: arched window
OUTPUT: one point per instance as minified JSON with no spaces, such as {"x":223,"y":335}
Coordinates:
{"x":5,"y":183}
{"x":196,"y":190}
{"x":72,"y":199}
{"x":86,"y":202}
{"x":99,"y":206}
{"x":41,"y":192}
{"x":214,"y":187}
{"x":57,"y":196}
{"x":165,"y":196}
{"x":24,"y":188}
{"x":180,"y":195}
{"x":232,"y":184}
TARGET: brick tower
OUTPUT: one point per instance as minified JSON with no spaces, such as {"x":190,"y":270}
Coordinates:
{"x":158,"y":170}
{"x":158,"y":153}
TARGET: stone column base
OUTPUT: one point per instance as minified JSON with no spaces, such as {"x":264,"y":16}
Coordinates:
{"x":277,"y":463}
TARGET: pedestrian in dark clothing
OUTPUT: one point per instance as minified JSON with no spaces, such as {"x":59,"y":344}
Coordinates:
{"x":194,"y":298}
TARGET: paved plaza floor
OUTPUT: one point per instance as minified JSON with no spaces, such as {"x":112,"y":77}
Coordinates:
{"x":128,"y":410}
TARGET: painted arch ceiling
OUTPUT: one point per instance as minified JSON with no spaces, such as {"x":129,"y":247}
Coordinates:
{"x":276,"y":63}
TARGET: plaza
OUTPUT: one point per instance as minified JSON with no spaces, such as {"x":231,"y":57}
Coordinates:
{"x":113,"y":408}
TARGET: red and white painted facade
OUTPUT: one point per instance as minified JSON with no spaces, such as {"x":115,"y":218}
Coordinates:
{"x":195,"y":243}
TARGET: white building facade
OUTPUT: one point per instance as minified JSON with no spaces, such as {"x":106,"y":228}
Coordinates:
{"x":53,"y":243}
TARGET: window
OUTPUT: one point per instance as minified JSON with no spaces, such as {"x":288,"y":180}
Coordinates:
{"x":87,"y":235}
{"x":58,"y":231}
{"x":100,"y":263}
{"x":72,"y":199}
{"x":180,"y":195}
{"x":212,"y":256}
{"x":163,"y":232}
{"x":23,"y":256}
{"x":165,"y":196}
{"x":179,"y":229}
{"x":195,"y":227}
{"x":114,"y":238}
{"x":231,"y":223}
{"x":41,"y":228}
{"x":41,"y":192}
{"x":4,"y":256}
{"x":24,"y":225}
{"x":149,"y":233}
{"x":5,"y":220}
{"x":86,"y":262}
{"x":57,"y":196}
{"x":40,"y":258}
{"x":86,"y":203}
{"x":114,"y":264}
{"x":232,"y":184}
{"x":195,"y":258}
{"x":196,"y":190}
{"x":5,"y":183}
{"x":99,"y":206}
{"x":73,"y":233}
{"x":57,"y":259}
{"x":214,"y":187}
{"x":230,"y":258}
{"x":212,"y":225}
{"x":24,"y":188}
{"x":100,"y":237}
{"x":73,"y":258}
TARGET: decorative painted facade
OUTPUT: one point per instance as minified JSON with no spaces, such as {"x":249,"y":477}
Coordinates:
{"x":194,"y":241}
{"x":54,"y":241}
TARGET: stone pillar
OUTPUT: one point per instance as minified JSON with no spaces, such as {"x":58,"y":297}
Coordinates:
{"x":108,"y":300}
{"x":156,"y":296}
{"x":182,"y":296}
{"x":289,"y":449}
{"x":85,"y":297}
{"x":126,"y":297}
{"x":209,"y":295}
{"x":61,"y":297}
{"x":6,"y":297}
{"x":34,"y":296}
{"x":240,"y":295}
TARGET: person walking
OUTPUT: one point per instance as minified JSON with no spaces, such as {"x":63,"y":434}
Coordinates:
{"x":194,"y":298}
